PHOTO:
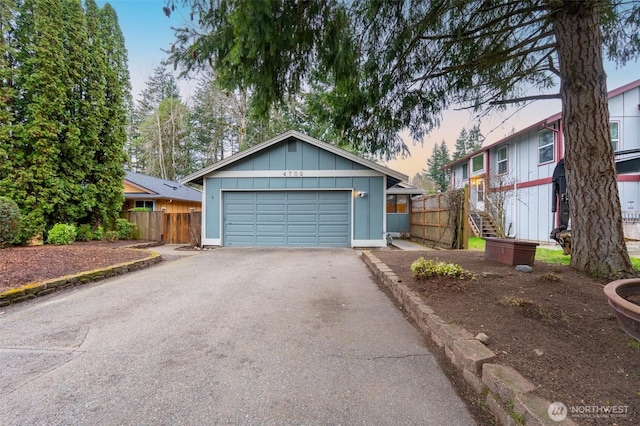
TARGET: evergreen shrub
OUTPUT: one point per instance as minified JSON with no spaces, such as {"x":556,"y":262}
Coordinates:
{"x":84,"y":233}
{"x":124,"y":229}
{"x":9,"y":222}
{"x":61,"y":234}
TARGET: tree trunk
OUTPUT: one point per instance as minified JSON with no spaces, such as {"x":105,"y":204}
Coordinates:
{"x":597,"y":241}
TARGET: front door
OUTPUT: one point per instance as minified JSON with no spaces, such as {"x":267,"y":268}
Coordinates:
{"x":477,"y":194}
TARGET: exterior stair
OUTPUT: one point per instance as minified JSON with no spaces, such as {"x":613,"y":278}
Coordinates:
{"x":482,"y":224}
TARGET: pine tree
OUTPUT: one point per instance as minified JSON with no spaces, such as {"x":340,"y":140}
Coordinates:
{"x":161,"y":85}
{"x":166,"y":140}
{"x":439,"y":158}
{"x":468,"y":142}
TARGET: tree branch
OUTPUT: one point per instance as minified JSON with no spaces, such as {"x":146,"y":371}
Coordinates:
{"x":526,"y":99}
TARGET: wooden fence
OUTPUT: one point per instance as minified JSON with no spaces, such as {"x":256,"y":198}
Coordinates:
{"x":170,"y":228}
{"x":434,"y":222}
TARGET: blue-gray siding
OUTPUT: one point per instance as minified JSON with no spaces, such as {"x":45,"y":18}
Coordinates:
{"x":398,"y":222}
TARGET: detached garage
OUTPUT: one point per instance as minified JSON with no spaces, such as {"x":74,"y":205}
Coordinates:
{"x":294,"y":191}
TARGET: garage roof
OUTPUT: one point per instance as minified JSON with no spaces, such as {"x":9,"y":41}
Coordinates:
{"x":198,"y":177}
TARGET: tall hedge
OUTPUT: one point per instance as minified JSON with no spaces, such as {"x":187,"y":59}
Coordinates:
{"x":9,"y":221}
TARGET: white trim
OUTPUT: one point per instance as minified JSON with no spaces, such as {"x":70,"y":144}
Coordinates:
{"x":384,"y":207}
{"x":284,"y":189}
{"x":304,"y":173}
{"x":368,"y":243}
{"x":211,"y":242}
{"x":203,"y":216}
{"x":221,"y":216}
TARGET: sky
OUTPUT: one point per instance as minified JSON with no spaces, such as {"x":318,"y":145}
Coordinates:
{"x":148,"y":32}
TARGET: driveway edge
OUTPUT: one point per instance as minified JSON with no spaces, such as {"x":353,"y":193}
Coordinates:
{"x":42,"y":288}
{"x":506,"y":392}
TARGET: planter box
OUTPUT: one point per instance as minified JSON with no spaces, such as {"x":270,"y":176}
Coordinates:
{"x":510,"y":252}
{"x":628,"y":313}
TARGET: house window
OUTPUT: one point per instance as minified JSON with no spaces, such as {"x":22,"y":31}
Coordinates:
{"x":501,"y":154}
{"x":397,"y":203}
{"x":614,"y":129}
{"x":546,"y":139}
{"x":477,"y":163}
{"x":144,"y":204}
{"x":465,"y":171}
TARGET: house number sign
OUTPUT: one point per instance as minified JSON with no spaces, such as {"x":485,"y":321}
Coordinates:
{"x":292,"y":173}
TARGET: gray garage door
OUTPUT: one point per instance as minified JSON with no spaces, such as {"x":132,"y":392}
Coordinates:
{"x":291,"y":219}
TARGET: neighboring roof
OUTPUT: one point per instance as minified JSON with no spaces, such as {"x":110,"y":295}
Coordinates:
{"x":197,"y":177}
{"x":405,"y":188}
{"x":539,"y":125}
{"x":160,"y":188}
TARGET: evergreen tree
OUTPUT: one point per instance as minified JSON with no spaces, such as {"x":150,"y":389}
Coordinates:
{"x":165,"y":135}
{"x":94,"y":111}
{"x":160,"y":86}
{"x":9,"y":127}
{"x":63,"y":84}
{"x":468,"y":142}
{"x":110,"y":156}
{"x":73,"y":160}
{"x":37,"y":185}
{"x":439,"y":158}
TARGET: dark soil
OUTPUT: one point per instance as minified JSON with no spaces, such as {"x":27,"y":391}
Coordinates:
{"x":24,"y":265}
{"x":553,"y":325}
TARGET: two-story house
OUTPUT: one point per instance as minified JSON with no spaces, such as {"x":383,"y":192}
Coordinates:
{"x":519,"y":168}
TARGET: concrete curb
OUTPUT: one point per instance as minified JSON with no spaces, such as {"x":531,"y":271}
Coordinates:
{"x":507,"y":393}
{"x":42,"y":288}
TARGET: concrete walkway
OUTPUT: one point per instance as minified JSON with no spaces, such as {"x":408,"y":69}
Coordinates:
{"x":227,"y":336}
{"x":409,"y":245}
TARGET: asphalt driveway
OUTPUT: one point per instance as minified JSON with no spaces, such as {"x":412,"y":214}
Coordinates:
{"x":228,"y":336}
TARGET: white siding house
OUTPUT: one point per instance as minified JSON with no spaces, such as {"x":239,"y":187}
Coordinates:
{"x":521,"y":166}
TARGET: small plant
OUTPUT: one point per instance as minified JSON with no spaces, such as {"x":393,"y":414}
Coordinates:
{"x":124,"y":228}
{"x":565,"y":318}
{"x":519,"y":418}
{"x":516,"y":301}
{"x":140,"y":209}
{"x":550,"y":277}
{"x":9,"y":222}
{"x":544,"y":313}
{"x":423,"y":268}
{"x":61,"y":234}
{"x":98,"y":233}
{"x":111,"y":236}
{"x":633,"y":344}
{"x":84,"y":233}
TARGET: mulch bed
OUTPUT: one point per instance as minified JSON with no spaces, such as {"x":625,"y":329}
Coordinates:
{"x":553,"y":325}
{"x":24,"y":265}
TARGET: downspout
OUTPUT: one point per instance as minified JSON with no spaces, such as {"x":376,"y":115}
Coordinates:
{"x":515,"y":188}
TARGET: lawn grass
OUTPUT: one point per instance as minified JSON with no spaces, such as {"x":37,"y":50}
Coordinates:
{"x":543,"y":254}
